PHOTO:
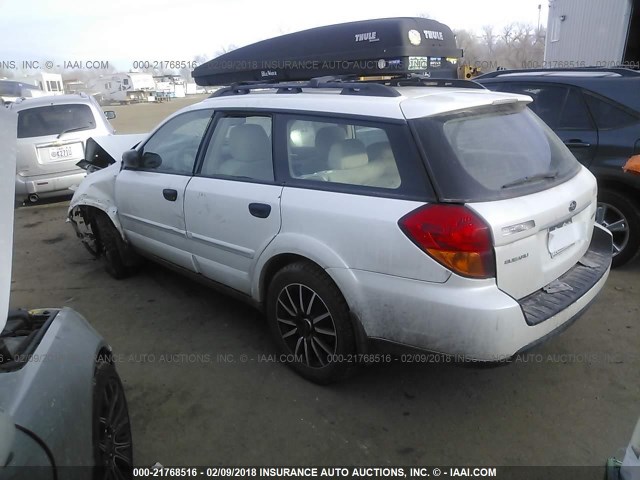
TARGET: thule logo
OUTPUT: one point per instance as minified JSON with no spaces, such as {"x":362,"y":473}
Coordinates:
{"x":433,"y":35}
{"x":367,"y":37}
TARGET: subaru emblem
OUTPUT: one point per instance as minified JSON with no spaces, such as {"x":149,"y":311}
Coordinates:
{"x":572,"y":206}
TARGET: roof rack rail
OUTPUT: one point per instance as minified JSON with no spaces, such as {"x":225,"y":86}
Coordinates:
{"x":623,"y":72}
{"x":348,"y":88}
{"x":349,"y":84}
{"x":422,"y":81}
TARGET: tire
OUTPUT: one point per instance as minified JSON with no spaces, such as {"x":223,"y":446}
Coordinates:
{"x":112,"y":248}
{"x":112,"y":441}
{"x":310,"y":323}
{"x":619,"y":214}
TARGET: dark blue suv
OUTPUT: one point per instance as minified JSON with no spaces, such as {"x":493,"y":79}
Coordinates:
{"x":596,"y":112}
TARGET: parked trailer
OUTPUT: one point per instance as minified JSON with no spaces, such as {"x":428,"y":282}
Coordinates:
{"x":172,"y":86}
{"x":126,"y":88}
{"x":48,"y":83}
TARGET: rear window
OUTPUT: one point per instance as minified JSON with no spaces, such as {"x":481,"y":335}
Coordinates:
{"x":495,"y":152}
{"x":54,"y":119}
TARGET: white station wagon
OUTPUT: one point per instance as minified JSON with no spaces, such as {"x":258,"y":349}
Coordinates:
{"x":361,"y":216}
{"x":447,"y":219}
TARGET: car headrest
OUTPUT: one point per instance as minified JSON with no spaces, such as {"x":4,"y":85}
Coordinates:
{"x":348,"y":154}
{"x":379,"y":151}
{"x":326,"y":137}
{"x":249,"y":143}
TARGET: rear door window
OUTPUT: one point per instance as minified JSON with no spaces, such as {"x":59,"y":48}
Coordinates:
{"x":547,"y":99}
{"x":341,"y":152}
{"x":493,"y":152}
{"x":54,"y":119}
{"x":574,"y":114}
{"x":608,"y":114}
{"x":351,"y":155}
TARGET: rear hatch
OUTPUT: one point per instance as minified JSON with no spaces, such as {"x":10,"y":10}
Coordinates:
{"x":503,"y":163}
{"x":51,"y":138}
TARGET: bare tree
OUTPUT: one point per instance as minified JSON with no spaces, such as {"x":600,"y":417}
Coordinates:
{"x":472,"y":49}
{"x":489,"y":39}
{"x":517,"y":45}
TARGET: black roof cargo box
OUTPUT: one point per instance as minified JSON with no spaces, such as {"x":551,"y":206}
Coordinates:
{"x":383,"y":47}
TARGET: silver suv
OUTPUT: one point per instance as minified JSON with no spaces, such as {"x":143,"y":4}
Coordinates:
{"x":362,"y":216}
{"x":52,"y":132}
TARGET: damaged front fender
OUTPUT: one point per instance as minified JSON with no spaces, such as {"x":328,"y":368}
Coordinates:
{"x":94,"y":196}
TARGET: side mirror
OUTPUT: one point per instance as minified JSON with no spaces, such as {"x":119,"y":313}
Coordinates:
{"x":110,"y":114}
{"x":151,"y":160}
{"x":131,"y":159}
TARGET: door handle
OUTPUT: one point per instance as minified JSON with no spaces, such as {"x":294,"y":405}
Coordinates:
{"x":576,"y":143}
{"x":170,"y":194}
{"x":260,"y":210}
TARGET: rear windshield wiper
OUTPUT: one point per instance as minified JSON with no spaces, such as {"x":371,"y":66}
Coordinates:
{"x":74,"y":129}
{"x":532,"y":178}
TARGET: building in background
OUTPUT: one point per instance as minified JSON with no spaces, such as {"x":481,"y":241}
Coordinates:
{"x":601,"y":33}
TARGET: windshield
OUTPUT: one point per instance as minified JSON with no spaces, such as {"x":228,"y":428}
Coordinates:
{"x":10,"y":89}
{"x":54,"y":119}
{"x":493,"y":152}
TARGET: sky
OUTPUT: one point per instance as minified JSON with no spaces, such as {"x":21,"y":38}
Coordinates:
{"x":122,"y":32}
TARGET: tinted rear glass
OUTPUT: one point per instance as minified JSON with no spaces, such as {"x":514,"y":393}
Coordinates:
{"x":54,"y":119}
{"x":494,"y":152}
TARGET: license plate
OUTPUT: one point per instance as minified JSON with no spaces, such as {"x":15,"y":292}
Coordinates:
{"x":562,"y":237}
{"x":72,"y":151}
{"x":61,"y":153}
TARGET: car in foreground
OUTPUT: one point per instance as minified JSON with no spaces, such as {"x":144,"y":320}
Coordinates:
{"x":596,"y":113}
{"x":362,"y":216}
{"x":62,"y":403}
{"x":52,"y":132}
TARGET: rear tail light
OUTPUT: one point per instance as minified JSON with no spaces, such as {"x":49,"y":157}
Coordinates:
{"x":454,"y":236}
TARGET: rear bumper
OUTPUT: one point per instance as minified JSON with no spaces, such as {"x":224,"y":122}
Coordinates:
{"x":470,"y":319}
{"x":542,"y":305}
{"x":48,"y":185}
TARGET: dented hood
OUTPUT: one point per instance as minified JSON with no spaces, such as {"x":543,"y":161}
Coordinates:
{"x":100,"y":152}
{"x":8,"y":133}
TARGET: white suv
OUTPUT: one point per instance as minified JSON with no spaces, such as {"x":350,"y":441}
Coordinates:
{"x":360,"y":216}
